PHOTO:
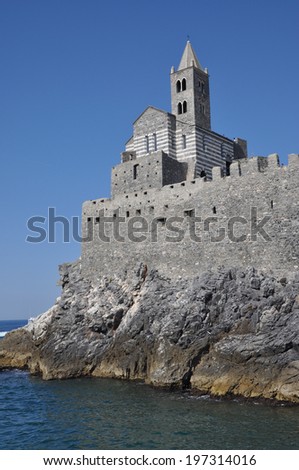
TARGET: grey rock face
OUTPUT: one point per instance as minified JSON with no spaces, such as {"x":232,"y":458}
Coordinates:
{"x":231,"y":331}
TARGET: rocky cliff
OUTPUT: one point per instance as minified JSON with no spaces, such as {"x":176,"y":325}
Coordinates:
{"x":231,"y":331}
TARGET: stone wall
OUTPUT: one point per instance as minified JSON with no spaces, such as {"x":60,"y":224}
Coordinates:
{"x":145,"y":227}
{"x":152,"y":171}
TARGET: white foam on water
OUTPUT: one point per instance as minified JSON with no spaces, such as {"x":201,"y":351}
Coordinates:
{"x":2,"y":333}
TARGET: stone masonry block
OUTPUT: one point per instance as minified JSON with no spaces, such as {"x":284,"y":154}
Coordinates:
{"x":293,"y":160}
{"x":235,"y":169}
{"x":273,"y":161}
{"x":216,"y":173}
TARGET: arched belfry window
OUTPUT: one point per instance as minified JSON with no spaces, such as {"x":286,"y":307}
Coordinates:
{"x":178,"y":86}
{"x":184,"y":106}
{"x":180,"y":109}
{"x":184,"y":84}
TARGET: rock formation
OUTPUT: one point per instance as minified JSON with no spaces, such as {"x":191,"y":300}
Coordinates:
{"x":231,"y":331}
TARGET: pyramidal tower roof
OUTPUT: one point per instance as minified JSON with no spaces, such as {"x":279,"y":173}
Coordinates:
{"x":189,"y":58}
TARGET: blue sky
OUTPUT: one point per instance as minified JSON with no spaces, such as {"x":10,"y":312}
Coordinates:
{"x":74,"y":76}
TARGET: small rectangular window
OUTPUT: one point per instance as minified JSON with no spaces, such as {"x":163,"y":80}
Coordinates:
{"x":189,"y":213}
{"x":138,"y":211}
{"x":184,"y":143}
{"x":162,"y":221}
{"x":135,"y":171}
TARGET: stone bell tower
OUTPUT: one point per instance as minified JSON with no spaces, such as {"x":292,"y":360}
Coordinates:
{"x":190,"y":93}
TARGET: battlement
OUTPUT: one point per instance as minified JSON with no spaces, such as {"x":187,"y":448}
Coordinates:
{"x":263,"y":167}
{"x":257,"y":165}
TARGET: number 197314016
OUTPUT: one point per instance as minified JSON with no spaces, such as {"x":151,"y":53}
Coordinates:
{"x":212,"y":459}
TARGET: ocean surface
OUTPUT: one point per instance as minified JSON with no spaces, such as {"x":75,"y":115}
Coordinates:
{"x":91,"y":413}
{"x":9,"y":325}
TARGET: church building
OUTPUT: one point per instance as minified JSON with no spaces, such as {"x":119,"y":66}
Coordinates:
{"x":185,"y":134}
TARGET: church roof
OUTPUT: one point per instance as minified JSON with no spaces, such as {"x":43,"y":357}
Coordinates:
{"x":189,"y":58}
{"x":154,"y":109}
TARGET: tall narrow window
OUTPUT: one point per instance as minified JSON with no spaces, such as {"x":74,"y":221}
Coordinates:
{"x":227,"y":168}
{"x":178,"y":86}
{"x":184,"y":143}
{"x":146,"y":144}
{"x":180,"y":108}
{"x":184,"y":106}
{"x":135,"y":171}
{"x":184,"y":84}
{"x":155,"y":142}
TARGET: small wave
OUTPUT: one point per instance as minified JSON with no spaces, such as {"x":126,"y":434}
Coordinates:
{"x":201,"y":397}
{"x":2,"y":333}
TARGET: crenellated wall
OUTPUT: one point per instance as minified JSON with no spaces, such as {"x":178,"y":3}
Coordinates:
{"x":248,"y":218}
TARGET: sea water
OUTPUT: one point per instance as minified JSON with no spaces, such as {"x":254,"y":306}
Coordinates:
{"x":91,"y":413}
{"x":9,"y":325}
